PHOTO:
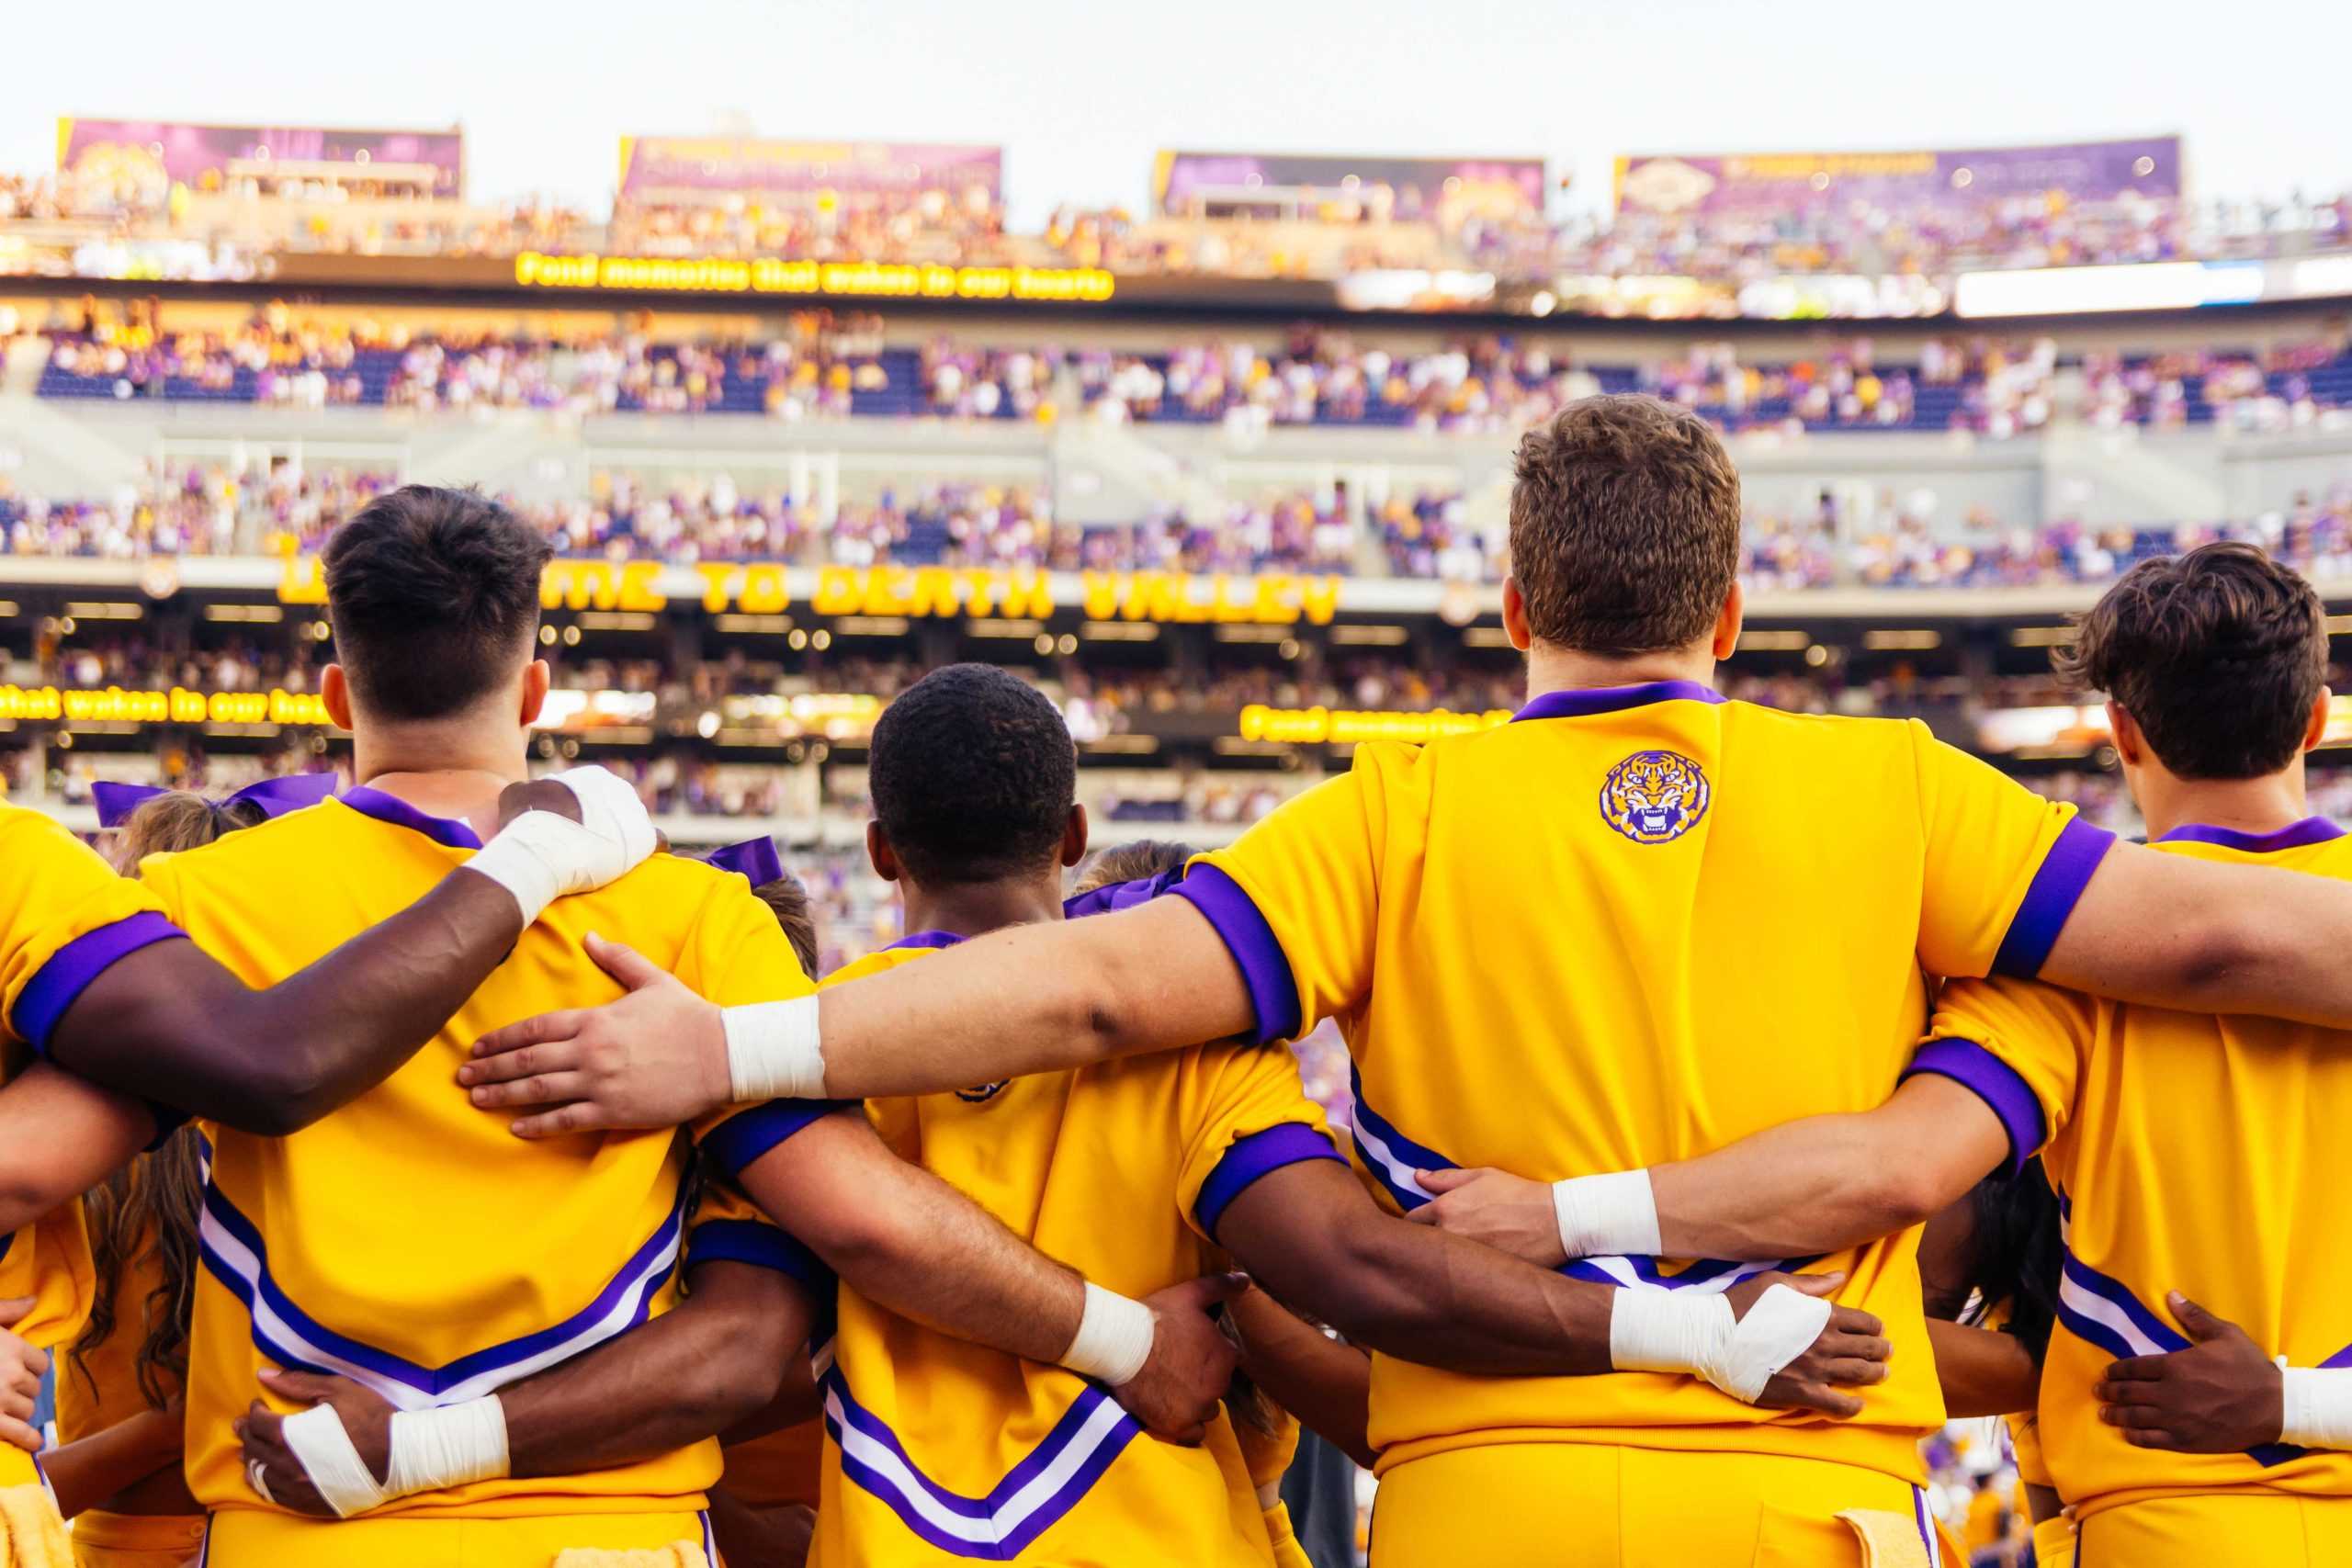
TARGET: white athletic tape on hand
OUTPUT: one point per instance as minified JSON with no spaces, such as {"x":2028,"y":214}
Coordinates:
{"x":342,"y":1479}
{"x":431,"y":1451}
{"x":540,"y":855}
{"x":1681,"y":1331}
{"x":2317,"y":1404}
{"x":1613,"y":1216}
{"x":772,"y":1051}
{"x":451,"y":1446}
{"x":1668,"y":1331}
{"x":1779,"y":1327}
{"x":1113,"y":1337}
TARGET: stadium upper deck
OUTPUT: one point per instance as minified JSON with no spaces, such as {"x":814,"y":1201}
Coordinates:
{"x":1992,"y":232}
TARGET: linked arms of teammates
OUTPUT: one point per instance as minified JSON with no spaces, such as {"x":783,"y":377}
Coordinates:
{"x":2168,"y":930}
{"x":162,"y":1023}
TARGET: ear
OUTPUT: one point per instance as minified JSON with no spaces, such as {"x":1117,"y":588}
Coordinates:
{"x":878,"y":851}
{"x":334,"y":694}
{"x":2322,"y":709}
{"x":2129,"y":744}
{"x":535,"y":677}
{"x":1074,"y":837}
{"x":1515,"y":626}
{"x":1728,"y":621}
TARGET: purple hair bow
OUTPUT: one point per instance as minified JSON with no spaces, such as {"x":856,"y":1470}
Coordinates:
{"x":276,"y":796}
{"x":754,"y":858}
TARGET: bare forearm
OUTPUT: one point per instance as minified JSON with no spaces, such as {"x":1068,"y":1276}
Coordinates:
{"x":1805,"y":1186}
{"x":1036,"y":998}
{"x":95,"y":1470}
{"x":686,"y":1375}
{"x":1984,"y":1371}
{"x":1829,"y":1183}
{"x":914,"y":1245}
{"x":1326,"y":1384}
{"x":1312,"y":1237}
{"x":170,"y":1025}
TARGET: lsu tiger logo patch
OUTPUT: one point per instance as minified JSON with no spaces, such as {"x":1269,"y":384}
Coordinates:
{"x":1655,"y":797}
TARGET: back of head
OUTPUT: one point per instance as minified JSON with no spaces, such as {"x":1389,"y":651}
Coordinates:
{"x":435,"y":596}
{"x":1134,"y":862}
{"x":973,"y":775}
{"x":1624,"y":526}
{"x":2218,"y":655}
{"x":166,"y":824}
{"x":788,"y":901}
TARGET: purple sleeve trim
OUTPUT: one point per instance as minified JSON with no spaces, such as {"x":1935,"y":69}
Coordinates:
{"x":1995,"y":1082}
{"x":746,"y":1135}
{"x":2051,"y":898}
{"x":71,"y":968}
{"x":1265,"y":968}
{"x":762,"y":1246}
{"x":1260,"y":1154}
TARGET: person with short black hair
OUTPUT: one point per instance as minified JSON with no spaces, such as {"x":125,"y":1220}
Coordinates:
{"x":1139,"y":1170}
{"x":521,"y":1235}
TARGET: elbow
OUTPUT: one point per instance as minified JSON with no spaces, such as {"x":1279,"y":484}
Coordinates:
{"x":2218,"y":951}
{"x":1900,"y":1194}
{"x":26,"y":1194}
{"x":745,"y":1377}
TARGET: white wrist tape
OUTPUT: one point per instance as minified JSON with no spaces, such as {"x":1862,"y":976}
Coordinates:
{"x":1668,"y":1331}
{"x":2317,"y":1402}
{"x":431,"y":1451}
{"x":1113,"y":1337}
{"x":452,"y":1446}
{"x":1607,"y":1217}
{"x":539,"y":856}
{"x":1682,"y":1331}
{"x":772,"y":1051}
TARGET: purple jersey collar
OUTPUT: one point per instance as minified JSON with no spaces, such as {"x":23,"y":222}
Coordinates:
{"x":2310,"y":830}
{"x":391,"y":808}
{"x":926,"y":939}
{"x":1583,"y":702}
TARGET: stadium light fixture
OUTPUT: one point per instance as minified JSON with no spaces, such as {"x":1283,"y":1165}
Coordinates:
{"x":2042,"y":637}
{"x":1120,"y":631}
{"x":1753,"y":640}
{"x":105,"y":610}
{"x":1370,"y":636}
{"x":1904,"y":640}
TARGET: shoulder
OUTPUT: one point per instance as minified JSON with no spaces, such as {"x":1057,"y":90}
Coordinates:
{"x":873,"y":964}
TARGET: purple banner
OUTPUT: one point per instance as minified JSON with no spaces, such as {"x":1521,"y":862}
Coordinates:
{"x":1442,"y":190}
{"x":1914,"y":181}
{"x":659,"y":168}
{"x":140,"y":161}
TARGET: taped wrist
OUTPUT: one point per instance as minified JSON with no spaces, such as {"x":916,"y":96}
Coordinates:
{"x":1684,"y":1331}
{"x":2316,"y":1404}
{"x":1607,"y":1217}
{"x":774,"y":1051}
{"x":431,"y":1451}
{"x":1113,"y":1337}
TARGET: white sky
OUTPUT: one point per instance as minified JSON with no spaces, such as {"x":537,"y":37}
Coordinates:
{"x":1081,"y":94}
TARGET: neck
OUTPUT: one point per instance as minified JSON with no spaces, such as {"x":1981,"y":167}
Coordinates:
{"x":2247,"y":805}
{"x":975,"y":908}
{"x":1552,"y":669}
{"x":441,"y":769}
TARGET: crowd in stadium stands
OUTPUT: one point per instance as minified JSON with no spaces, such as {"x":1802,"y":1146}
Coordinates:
{"x":213,"y":510}
{"x":824,"y":367}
